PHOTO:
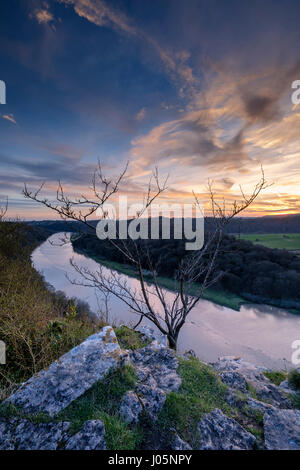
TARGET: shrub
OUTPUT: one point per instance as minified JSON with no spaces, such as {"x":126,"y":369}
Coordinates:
{"x":294,"y":379}
{"x":276,"y":376}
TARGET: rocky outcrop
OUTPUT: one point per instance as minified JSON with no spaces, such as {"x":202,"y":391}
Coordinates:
{"x":53,"y":389}
{"x":155,"y":367}
{"x":90,"y":437}
{"x":156,"y":370}
{"x":149,"y":334}
{"x":179,"y":444}
{"x":234,"y":380}
{"x":23,"y":434}
{"x":218,"y":432}
{"x":239,"y":375}
{"x":282,"y":429}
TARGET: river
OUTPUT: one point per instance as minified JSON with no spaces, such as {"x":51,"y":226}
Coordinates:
{"x":260,"y":334}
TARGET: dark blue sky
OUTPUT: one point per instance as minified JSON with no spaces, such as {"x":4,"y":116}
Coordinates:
{"x":200,"y":88}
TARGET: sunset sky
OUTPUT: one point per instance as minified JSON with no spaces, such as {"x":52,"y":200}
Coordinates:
{"x":199,"y":88}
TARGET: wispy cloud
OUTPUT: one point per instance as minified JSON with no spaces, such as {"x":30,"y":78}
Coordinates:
{"x":141,"y":114}
{"x":43,"y":16}
{"x":9,"y":117}
{"x":102,"y":14}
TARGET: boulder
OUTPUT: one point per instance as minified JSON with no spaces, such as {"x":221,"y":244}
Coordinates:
{"x":152,"y":398}
{"x":234,"y":380}
{"x":237,"y":373}
{"x":287,"y":388}
{"x":259,"y":405}
{"x":157,"y":366}
{"x":130,"y":407}
{"x":156,"y":370}
{"x":282,"y":429}
{"x":53,"y":389}
{"x":152,"y":335}
{"x":22,"y":434}
{"x":90,"y":437}
{"x":218,"y":432}
{"x":6,"y":434}
{"x":43,"y":436}
{"x":25,"y":435}
{"x":145,"y":397}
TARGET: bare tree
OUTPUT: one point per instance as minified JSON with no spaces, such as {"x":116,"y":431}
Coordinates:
{"x":200,"y":265}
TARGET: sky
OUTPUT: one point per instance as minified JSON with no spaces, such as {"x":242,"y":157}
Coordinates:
{"x":200,"y":89}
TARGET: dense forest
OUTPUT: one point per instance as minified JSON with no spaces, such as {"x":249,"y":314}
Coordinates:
{"x":254,"y":272}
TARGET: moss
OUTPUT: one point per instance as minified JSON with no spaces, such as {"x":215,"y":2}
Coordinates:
{"x":294,"y":379}
{"x":276,"y":377}
{"x":201,"y":391}
{"x":130,"y":339}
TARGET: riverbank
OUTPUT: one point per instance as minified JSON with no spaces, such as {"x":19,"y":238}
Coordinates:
{"x":219,"y":297}
{"x":223,"y":298}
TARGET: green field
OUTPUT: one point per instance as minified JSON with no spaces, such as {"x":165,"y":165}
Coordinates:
{"x":288,"y":241}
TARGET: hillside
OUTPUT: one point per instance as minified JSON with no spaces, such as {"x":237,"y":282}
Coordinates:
{"x":267,"y":224}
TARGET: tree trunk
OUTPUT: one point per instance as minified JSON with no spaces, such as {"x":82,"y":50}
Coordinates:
{"x":172,"y":342}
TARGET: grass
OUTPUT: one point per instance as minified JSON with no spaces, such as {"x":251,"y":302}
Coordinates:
{"x":220,"y":297}
{"x":276,"y":377}
{"x":102,"y":401}
{"x":289,"y":241}
{"x":130,"y":339}
{"x":201,"y":391}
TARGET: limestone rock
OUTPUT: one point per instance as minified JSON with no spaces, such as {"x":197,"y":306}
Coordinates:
{"x":130,"y":407}
{"x":6,"y":434}
{"x":156,"y":370}
{"x":53,"y":389}
{"x":286,"y":388}
{"x":180,"y":444}
{"x":90,"y":437}
{"x":234,"y":371}
{"x":157,"y":367}
{"x":152,"y":335}
{"x":269,"y":392}
{"x":259,"y":405}
{"x":152,"y":398}
{"x":282,"y":429}
{"x":218,"y":432}
{"x":43,"y":436}
{"x":22,"y":434}
{"x":234,"y":380}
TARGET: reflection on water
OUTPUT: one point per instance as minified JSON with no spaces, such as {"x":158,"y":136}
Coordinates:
{"x":259,"y":333}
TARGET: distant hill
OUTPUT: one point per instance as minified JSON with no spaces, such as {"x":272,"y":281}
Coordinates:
{"x":267,"y":224}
